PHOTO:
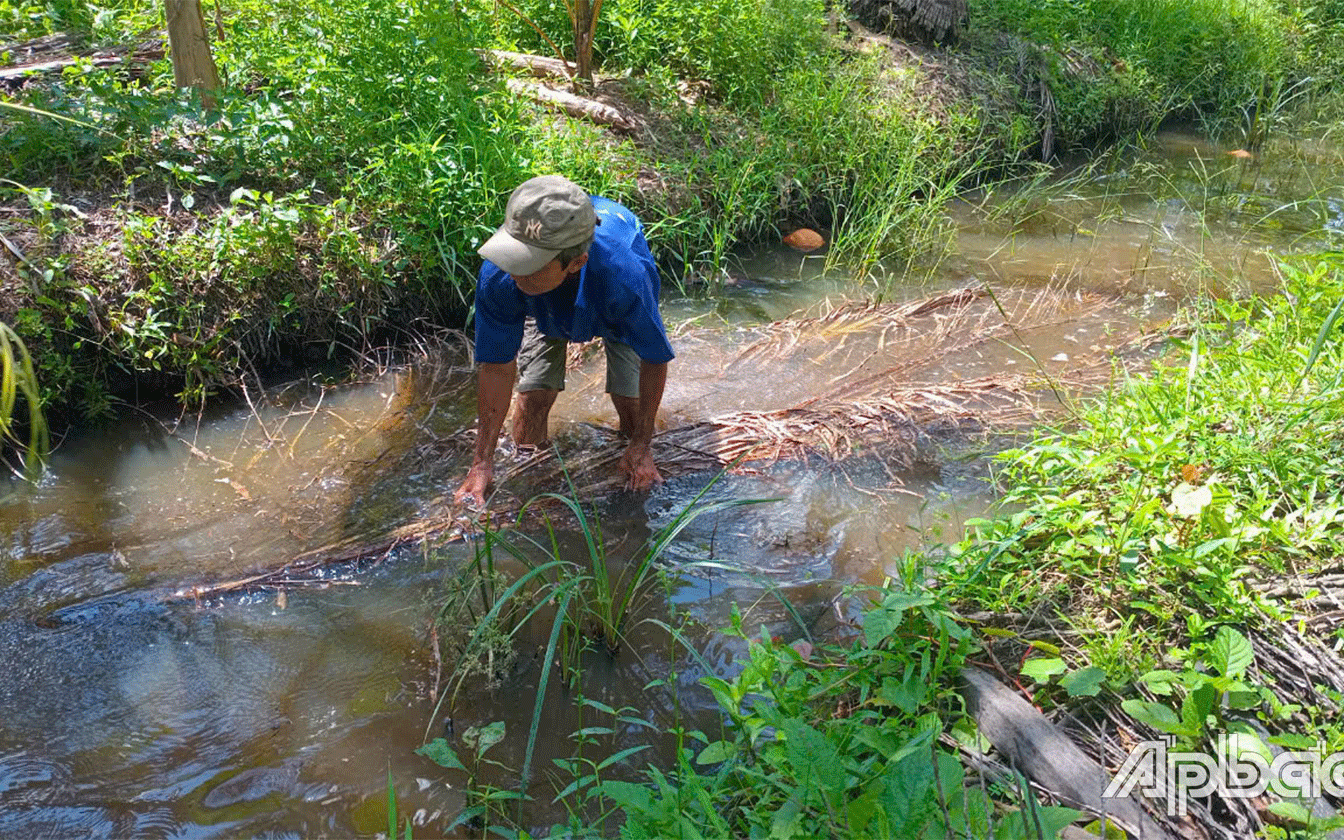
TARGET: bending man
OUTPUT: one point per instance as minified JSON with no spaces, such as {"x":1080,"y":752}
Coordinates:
{"x":566,"y":267}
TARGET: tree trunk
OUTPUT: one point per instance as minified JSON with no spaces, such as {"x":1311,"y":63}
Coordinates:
{"x":583,"y":15}
{"x":193,"y":65}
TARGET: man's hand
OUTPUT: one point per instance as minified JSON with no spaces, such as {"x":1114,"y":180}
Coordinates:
{"x":477,"y":484}
{"x":494,"y":384}
{"x":638,"y":468}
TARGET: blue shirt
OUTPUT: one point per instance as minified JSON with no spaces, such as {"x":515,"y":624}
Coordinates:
{"x":614,"y":296}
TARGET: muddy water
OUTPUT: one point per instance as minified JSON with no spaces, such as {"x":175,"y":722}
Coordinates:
{"x":133,"y":709}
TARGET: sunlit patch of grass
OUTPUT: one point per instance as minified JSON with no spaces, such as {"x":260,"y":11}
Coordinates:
{"x":1184,"y":488}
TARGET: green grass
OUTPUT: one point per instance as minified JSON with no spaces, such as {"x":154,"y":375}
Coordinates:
{"x":1113,"y":66}
{"x":1180,"y":490}
{"x":333,"y":196}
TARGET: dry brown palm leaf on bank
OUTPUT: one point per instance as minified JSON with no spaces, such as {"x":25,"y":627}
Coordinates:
{"x":885,"y":386}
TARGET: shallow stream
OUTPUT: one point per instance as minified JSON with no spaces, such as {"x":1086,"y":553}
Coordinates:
{"x":133,"y":708}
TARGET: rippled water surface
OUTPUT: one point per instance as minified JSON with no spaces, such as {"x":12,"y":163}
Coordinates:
{"x":135,"y":707}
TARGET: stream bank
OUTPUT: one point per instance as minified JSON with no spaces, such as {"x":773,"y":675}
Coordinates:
{"x":333,"y":202}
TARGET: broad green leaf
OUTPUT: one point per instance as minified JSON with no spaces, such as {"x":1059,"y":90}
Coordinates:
{"x":1241,"y":746}
{"x":889,"y":744}
{"x":1291,"y":811}
{"x":1197,"y":705}
{"x":631,"y":797}
{"x":907,"y":696}
{"x":1109,"y":830}
{"x":1041,"y":670}
{"x":1085,"y":682}
{"x":717,"y":753}
{"x":1231,"y":653}
{"x":788,"y":817}
{"x":1159,"y":717}
{"x":877,"y":626}
{"x":1160,"y":681}
{"x":815,"y":761}
{"x":1243,"y":700}
{"x":441,"y":754}
{"x":484,"y":737}
{"x":968,"y":734}
{"x":1293,"y":741}
{"x":1037,"y":821}
{"x":900,"y":601}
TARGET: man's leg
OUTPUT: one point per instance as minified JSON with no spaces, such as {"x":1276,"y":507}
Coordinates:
{"x":541,"y":378}
{"x":530,"y":412}
{"x":623,"y":383}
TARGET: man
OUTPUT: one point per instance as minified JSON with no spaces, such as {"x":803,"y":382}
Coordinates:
{"x":579,"y":267}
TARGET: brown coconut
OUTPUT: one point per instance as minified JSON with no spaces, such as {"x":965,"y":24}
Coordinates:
{"x":804,"y":240}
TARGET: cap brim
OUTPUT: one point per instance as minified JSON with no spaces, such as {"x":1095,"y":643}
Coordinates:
{"x":515,"y":256}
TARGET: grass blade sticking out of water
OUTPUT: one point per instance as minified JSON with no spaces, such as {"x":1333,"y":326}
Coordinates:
{"x":1026,"y":350}
{"x":391,"y":806}
{"x":18,"y":376}
{"x":561,"y":617}
{"x":486,"y":622}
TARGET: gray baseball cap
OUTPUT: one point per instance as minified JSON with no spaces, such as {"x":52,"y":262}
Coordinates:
{"x":545,"y":215}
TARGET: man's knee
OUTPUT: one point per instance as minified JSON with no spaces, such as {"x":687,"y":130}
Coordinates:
{"x":536,"y":399}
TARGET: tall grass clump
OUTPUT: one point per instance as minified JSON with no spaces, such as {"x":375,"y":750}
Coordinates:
{"x":336,"y":193}
{"x":584,"y":601}
{"x":1118,"y":65}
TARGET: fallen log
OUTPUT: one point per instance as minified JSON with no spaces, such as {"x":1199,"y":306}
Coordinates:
{"x":11,"y":75}
{"x":537,"y":65}
{"x":575,"y":106}
{"x":57,"y":42}
{"x":1047,"y":756}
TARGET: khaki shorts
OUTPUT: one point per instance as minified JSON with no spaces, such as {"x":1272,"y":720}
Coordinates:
{"x":541,"y":364}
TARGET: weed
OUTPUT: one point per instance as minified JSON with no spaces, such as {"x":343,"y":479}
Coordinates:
{"x":1180,"y":490}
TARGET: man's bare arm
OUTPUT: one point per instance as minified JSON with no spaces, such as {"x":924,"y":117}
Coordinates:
{"x":494,"y":386}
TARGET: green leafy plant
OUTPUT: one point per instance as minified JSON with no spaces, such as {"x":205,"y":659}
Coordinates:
{"x":487,"y":806}
{"x":827,"y":740}
{"x":1203,"y":696}
{"x":588,"y":602}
